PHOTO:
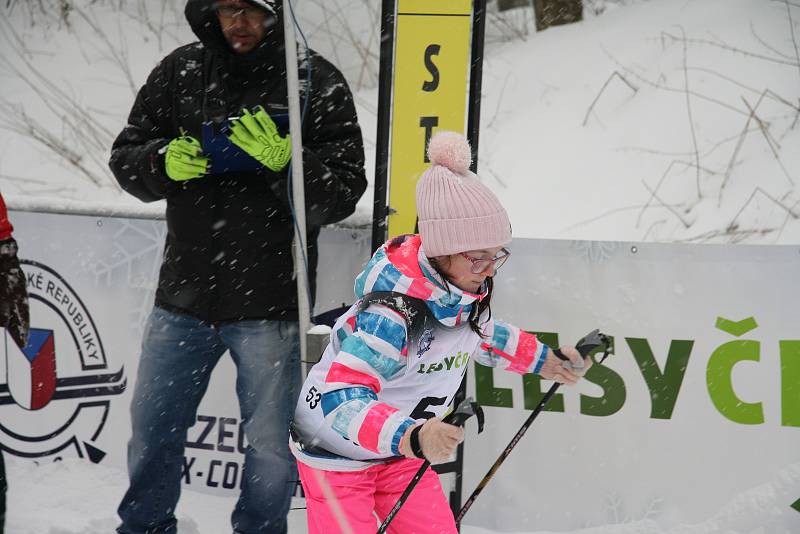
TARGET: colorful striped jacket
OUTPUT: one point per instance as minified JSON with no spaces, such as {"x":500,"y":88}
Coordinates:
{"x":372,"y":382}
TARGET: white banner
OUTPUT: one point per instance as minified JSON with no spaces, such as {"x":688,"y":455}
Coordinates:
{"x":91,"y":282}
{"x":699,"y":404}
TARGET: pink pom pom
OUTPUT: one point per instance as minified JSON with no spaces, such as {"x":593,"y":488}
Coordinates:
{"x":451,"y":150}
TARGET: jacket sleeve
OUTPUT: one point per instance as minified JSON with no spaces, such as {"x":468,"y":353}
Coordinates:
{"x":136,"y":160}
{"x":372,"y":353}
{"x":507,"y":347}
{"x":333,"y":150}
{"x":5,"y":225}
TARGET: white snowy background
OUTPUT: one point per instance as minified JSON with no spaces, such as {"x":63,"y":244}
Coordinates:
{"x":651,"y":120}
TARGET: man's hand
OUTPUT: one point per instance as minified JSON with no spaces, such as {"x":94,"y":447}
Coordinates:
{"x":562,"y":371}
{"x":258,"y":136}
{"x":184,"y":160}
{"x":14,"y":314}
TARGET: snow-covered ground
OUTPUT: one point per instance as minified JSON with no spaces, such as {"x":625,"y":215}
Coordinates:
{"x":66,"y":497}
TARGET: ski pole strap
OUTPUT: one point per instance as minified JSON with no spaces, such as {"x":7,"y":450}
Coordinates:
{"x":416,"y":448}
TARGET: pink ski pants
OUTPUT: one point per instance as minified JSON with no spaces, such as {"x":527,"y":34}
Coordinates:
{"x":359,"y":493}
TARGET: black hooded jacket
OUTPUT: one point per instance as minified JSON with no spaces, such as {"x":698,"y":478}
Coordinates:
{"x":228,"y":253}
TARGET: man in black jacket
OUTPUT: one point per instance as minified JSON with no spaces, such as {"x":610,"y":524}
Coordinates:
{"x":209,"y":133}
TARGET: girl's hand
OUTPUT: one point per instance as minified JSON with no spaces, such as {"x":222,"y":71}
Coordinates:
{"x":565,"y":372}
{"x":438,"y":440}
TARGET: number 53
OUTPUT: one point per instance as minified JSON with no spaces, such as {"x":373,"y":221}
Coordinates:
{"x":313,"y":397}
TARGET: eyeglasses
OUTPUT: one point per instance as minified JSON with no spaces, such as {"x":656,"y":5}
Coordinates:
{"x":481,"y":264}
{"x":248,"y":12}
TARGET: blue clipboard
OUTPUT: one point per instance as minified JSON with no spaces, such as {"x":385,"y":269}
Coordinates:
{"x":227,"y":157}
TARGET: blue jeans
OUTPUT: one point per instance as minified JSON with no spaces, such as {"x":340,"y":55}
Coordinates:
{"x":178,"y":354}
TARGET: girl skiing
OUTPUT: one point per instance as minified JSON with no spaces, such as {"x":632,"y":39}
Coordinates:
{"x":370,"y":410}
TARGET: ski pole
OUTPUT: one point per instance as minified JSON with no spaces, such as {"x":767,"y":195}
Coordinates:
{"x":585,"y":346}
{"x":457,"y":417}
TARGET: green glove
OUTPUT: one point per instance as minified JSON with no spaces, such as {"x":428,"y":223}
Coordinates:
{"x":183,"y":159}
{"x":258,"y":136}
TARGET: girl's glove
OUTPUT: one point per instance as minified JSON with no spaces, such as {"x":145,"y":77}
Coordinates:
{"x":258,"y":136}
{"x":434,"y":441}
{"x":565,"y":372}
{"x":183,"y":159}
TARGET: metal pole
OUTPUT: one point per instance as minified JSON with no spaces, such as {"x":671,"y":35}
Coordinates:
{"x":476,"y":79}
{"x":298,"y":180}
{"x":379,"y":208}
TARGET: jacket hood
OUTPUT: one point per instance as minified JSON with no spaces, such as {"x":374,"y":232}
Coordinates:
{"x":401,"y":265}
{"x":204,"y":23}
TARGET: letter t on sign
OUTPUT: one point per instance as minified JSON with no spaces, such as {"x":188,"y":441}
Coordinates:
{"x":429,"y":123}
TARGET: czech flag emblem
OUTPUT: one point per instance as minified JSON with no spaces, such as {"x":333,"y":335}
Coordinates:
{"x":32,"y":370}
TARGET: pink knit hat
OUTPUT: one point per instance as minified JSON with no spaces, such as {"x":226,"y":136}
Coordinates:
{"x":456,"y":212}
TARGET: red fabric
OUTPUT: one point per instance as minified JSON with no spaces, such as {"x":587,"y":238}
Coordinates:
{"x":43,"y":374}
{"x":521,"y":362}
{"x":527,"y":347}
{"x":5,"y":226}
{"x":402,"y":253}
{"x":371,"y":427}
{"x":342,"y":373}
{"x":376,"y":488}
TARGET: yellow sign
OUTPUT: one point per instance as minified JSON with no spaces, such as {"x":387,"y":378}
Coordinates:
{"x":430,"y":92}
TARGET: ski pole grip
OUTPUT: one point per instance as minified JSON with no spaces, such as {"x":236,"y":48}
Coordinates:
{"x":457,"y":419}
{"x":464,"y":411}
{"x":586,"y":345}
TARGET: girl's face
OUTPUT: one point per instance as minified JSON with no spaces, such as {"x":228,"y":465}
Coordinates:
{"x":457,"y":268}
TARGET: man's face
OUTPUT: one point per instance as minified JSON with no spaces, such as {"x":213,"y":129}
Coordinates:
{"x":243,"y":24}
